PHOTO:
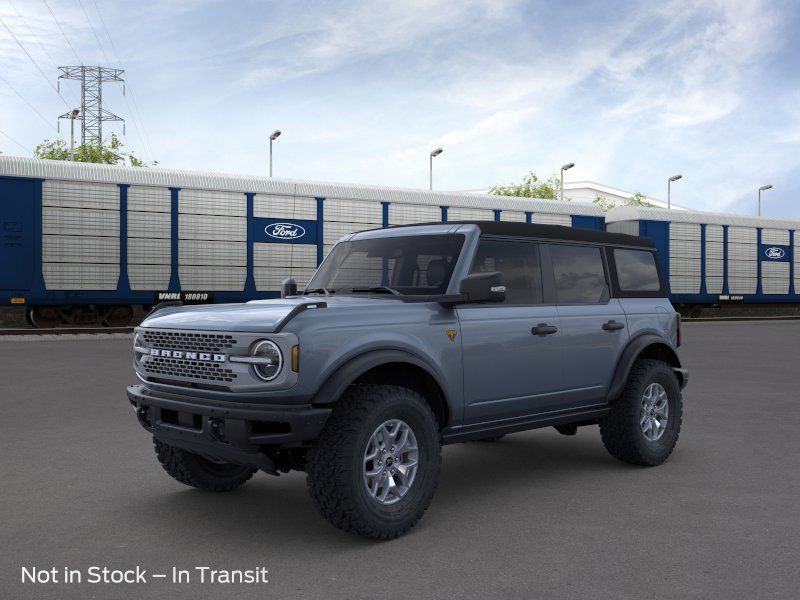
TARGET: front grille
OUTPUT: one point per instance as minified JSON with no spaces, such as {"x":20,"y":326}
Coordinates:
{"x":198,"y":342}
{"x":191,"y":369}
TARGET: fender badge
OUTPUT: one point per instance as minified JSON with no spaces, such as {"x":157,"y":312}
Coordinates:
{"x":451,"y":333}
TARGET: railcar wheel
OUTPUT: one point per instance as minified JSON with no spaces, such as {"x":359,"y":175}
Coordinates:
{"x":44,"y":317}
{"x":118,"y":315}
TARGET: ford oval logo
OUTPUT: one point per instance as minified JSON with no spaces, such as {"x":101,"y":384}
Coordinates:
{"x":775,"y":253}
{"x":285,"y":231}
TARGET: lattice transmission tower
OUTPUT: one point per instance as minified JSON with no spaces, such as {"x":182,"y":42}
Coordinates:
{"x":92,"y":113}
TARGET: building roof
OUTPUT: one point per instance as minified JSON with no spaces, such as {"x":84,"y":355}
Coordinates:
{"x":14,"y":166}
{"x":640,"y":213}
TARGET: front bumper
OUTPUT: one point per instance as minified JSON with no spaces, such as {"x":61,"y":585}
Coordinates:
{"x":233,"y":432}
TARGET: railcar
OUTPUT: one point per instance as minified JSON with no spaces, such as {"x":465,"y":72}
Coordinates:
{"x":86,"y":243}
{"x":713,"y":258}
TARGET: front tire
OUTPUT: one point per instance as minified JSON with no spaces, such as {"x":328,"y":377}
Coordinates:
{"x":195,"y":471}
{"x":645,"y":421}
{"x":375,"y":467}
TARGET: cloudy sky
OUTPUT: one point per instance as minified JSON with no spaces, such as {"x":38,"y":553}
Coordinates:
{"x":632,"y":92}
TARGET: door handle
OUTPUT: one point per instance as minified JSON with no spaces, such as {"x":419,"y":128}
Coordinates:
{"x":612,"y":325}
{"x":544,"y":329}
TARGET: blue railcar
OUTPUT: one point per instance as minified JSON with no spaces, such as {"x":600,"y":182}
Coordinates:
{"x":714,"y":258}
{"x":87,"y":242}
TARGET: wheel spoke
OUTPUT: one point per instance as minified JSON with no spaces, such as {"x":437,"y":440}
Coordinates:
{"x":393,"y":444}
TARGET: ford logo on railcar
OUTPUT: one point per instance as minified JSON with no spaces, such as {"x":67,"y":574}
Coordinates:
{"x":775,"y":253}
{"x":285,"y":231}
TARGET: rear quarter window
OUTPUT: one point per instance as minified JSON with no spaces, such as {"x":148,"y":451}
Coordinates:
{"x":636,"y":271}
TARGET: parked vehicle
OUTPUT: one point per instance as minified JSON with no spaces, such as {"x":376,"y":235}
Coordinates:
{"x":408,"y":338}
{"x":87,"y":243}
{"x":714,"y":258}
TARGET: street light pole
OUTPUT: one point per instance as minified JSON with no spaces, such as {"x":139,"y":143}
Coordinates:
{"x":72,"y":116}
{"x":564,"y":168}
{"x":436,"y":152}
{"x":669,"y":189}
{"x":763,"y":188}
{"x":272,"y":138}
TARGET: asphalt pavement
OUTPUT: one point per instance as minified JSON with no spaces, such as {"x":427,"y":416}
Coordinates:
{"x":536,"y":515}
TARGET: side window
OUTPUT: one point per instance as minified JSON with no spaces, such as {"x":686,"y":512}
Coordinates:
{"x":519,"y":264}
{"x":579,"y":274}
{"x":636,"y":270}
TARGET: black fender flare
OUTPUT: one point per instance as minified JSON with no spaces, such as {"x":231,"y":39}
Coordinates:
{"x":348,"y":372}
{"x":632,"y":351}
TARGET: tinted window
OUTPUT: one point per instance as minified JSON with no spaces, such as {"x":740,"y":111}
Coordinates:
{"x":411,"y":264}
{"x":519,"y":264}
{"x":636,"y":271}
{"x":579,"y":274}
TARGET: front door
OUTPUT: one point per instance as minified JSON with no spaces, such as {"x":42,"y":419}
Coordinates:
{"x":16,"y":233}
{"x":511,"y":350}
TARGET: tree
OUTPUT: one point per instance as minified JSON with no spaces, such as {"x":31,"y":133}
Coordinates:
{"x":531,"y":187}
{"x":638,"y":199}
{"x":110,"y":153}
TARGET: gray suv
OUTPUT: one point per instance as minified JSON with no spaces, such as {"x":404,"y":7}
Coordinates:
{"x":408,"y":338}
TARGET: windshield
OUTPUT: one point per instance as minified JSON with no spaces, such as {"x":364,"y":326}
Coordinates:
{"x":413,"y":265}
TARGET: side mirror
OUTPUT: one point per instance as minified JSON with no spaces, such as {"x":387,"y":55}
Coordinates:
{"x":288,"y":287}
{"x":483,"y":287}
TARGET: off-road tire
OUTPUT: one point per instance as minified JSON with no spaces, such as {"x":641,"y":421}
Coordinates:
{"x":335,"y":464}
{"x":620,"y":429}
{"x":196,"y":471}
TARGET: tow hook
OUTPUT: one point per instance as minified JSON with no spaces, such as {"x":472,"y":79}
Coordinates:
{"x":217,"y":429}
{"x":143,"y":414}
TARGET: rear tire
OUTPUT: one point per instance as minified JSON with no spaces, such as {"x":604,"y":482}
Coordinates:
{"x":340,"y":473}
{"x":633,"y":432}
{"x":195,"y":471}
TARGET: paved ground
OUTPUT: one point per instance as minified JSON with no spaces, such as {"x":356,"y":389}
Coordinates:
{"x":536,"y":515}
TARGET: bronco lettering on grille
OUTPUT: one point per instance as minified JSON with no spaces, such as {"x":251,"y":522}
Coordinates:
{"x":204,"y":356}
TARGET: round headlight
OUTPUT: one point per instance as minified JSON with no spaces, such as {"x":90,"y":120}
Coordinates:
{"x":269,"y":368}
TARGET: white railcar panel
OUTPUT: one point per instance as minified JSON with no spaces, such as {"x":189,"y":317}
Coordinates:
{"x":80,"y":249}
{"x":459,"y":213}
{"x":775,"y":277}
{"x":684,"y":266}
{"x":204,"y":252}
{"x":285,"y":255}
{"x":149,"y":225}
{"x":714,"y":233}
{"x":77,"y":221}
{"x":796,"y":261}
{"x":206,"y":202}
{"x":208,"y":278}
{"x":285,"y":207}
{"x":551,"y":219}
{"x":775,"y":236}
{"x":208,"y":227}
{"x":715,"y":267}
{"x":333,"y":231}
{"x":627,"y":227}
{"x":144,"y":251}
{"x":80,"y":276}
{"x":684,"y":231}
{"x":80,"y":194}
{"x":270,"y":278}
{"x":149,"y":277}
{"x":742,"y":268}
{"x":744,"y":252}
{"x":407,"y":214}
{"x":715,"y":250}
{"x":513,"y":216}
{"x":684,"y":284}
{"x":742,"y":235}
{"x":742,"y":285}
{"x":714,"y":285}
{"x":149,"y":199}
{"x":684,"y":249}
{"x":353,"y":211}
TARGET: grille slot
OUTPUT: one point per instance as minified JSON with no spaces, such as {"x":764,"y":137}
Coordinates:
{"x":179,"y":340}
{"x":188,"y":369}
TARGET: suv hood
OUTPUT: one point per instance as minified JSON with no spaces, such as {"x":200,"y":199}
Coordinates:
{"x":261,"y":316}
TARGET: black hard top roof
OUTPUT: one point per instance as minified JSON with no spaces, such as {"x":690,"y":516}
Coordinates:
{"x":552,"y":232}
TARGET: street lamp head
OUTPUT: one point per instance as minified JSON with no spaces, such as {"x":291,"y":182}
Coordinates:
{"x":567,"y":166}
{"x":765,"y":187}
{"x":675,"y":177}
{"x":75,"y":112}
{"x":275,"y":134}
{"x":436,"y":152}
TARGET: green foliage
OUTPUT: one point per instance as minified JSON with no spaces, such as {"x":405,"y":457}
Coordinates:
{"x":531,"y":187}
{"x":638,"y":199}
{"x":110,"y":153}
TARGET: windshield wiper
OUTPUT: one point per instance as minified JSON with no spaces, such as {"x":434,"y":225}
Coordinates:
{"x":378,"y":289}
{"x":325,"y":291}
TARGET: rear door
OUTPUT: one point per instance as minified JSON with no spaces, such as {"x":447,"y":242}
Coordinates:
{"x":593,"y":324}
{"x":16,"y":233}
{"x":509,"y":370}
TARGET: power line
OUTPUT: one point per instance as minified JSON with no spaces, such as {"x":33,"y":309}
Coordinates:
{"x":97,"y":37}
{"x":16,"y":142}
{"x":55,"y":89}
{"x":36,"y":37}
{"x":25,"y":100}
{"x":137,"y":114}
{"x":66,"y":39}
